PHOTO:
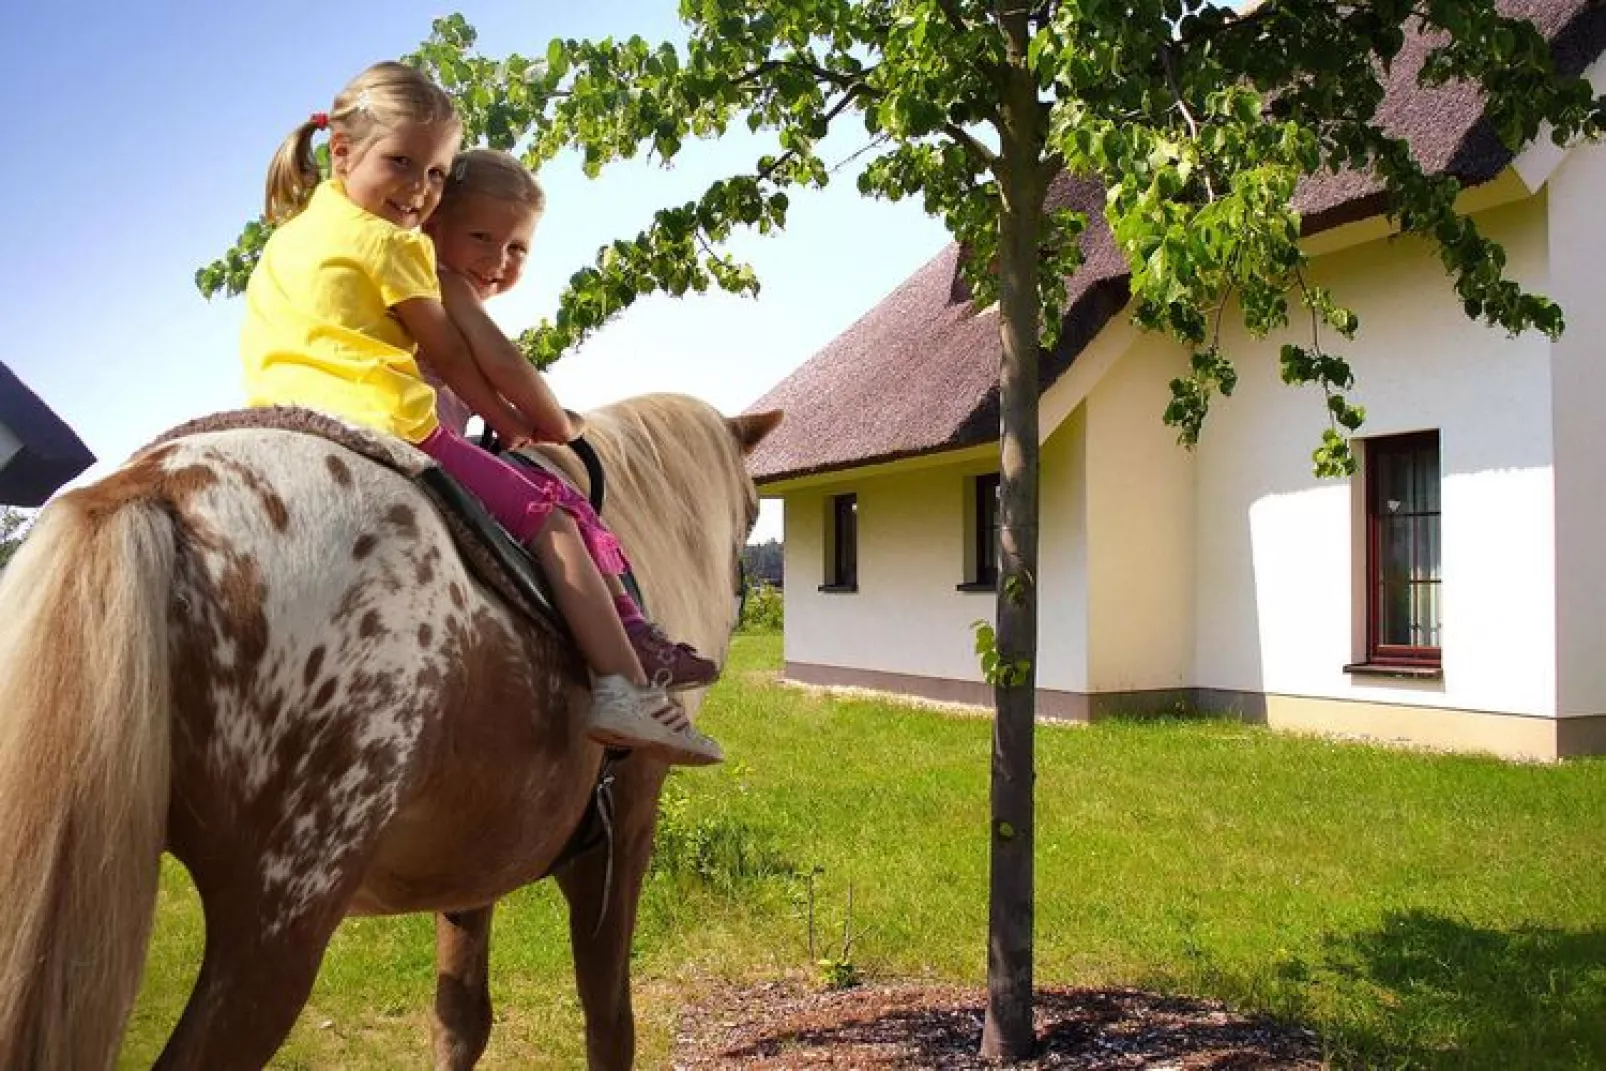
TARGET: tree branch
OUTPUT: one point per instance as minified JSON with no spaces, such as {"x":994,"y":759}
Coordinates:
{"x":951,"y":11}
{"x":752,"y":74}
{"x":873,"y":143}
{"x":823,"y":74}
{"x":978,"y":152}
{"x":1169,"y":62}
{"x":1221,"y":307}
{"x":836,"y":109}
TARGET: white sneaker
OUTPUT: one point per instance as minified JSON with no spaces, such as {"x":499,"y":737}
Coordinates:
{"x":647,"y":719}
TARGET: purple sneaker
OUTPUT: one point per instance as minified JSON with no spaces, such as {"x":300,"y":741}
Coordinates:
{"x":673,"y":667}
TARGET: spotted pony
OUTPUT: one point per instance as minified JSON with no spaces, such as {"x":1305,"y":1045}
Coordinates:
{"x":262,"y":653}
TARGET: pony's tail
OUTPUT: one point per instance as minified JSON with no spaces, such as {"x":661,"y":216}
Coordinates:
{"x":84,"y":764}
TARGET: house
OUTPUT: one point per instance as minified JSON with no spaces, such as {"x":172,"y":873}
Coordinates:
{"x":1451,"y":595}
{"x":38,"y":452}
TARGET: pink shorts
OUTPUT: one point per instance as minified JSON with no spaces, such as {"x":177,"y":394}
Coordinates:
{"x":522,"y":499}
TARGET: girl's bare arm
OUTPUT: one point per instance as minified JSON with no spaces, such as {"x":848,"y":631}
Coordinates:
{"x":447,"y":352}
{"x":501,"y":363}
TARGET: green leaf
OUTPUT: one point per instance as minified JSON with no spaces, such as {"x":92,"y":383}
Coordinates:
{"x":557,"y":59}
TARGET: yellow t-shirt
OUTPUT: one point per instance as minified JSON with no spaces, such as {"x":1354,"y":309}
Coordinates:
{"x":318,"y":327}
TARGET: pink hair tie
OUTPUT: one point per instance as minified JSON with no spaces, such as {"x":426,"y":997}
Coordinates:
{"x":320,"y":120}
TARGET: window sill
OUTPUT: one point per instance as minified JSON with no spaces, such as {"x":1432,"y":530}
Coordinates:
{"x":839,"y":589}
{"x":976,"y":585}
{"x":1376,"y":669}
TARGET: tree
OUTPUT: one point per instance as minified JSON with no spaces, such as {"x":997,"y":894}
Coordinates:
{"x":765,"y":562}
{"x":13,"y":529}
{"x":1198,"y":121}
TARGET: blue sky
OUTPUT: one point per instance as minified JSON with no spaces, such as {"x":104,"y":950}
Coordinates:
{"x":145,"y":133}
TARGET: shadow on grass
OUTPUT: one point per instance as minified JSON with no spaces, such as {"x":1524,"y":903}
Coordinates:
{"x":1446,"y":994}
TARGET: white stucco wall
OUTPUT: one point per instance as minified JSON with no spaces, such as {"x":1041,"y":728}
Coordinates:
{"x":1140,"y":525}
{"x":906,"y":616}
{"x":1062,"y":559}
{"x":1278,"y":557}
{"x":1578,"y":366}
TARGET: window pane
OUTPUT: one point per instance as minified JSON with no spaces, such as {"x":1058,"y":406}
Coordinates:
{"x":1426,"y":561}
{"x":1403,"y":515}
{"x":844,"y":537}
{"x":1394,"y":609}
{"x":985,"y":532}
{"x":850,"y":539}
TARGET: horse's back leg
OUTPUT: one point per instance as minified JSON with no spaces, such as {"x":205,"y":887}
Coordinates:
{"x":602,"y":952}
{"x":461,"y":1026}
{"x":253,"y":983}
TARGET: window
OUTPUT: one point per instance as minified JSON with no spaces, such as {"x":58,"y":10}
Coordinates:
{"x":981,"y":535}
{"x":1403,"y":607}
{"x":842,"y":544}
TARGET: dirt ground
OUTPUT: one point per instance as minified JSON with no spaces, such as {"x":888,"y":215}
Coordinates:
{"x":784,"y":1025}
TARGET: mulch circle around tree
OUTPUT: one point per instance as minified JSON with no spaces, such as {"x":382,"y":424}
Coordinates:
{"x":782,"y":1025}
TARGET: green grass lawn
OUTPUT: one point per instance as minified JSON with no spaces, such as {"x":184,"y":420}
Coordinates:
{"x":1414,"y":910}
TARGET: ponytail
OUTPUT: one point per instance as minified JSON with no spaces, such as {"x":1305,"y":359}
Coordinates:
{"x":293,"y":175}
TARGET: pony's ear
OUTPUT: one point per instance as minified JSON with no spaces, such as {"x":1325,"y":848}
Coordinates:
{"x":750,"y":428}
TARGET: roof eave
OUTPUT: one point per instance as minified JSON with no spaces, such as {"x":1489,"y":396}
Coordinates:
{"x":773,"y":485}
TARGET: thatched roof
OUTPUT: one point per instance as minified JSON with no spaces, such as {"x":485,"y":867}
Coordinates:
{"x":50,"y":453}
{"x":918,"y":373}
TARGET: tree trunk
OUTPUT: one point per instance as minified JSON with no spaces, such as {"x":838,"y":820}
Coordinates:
{"x":1008,"y":1033}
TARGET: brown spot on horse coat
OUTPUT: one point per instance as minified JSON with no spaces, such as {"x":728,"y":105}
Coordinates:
{"x":339,"y":470}
{"x":405,"y":520}
{"x":145,"y":477}
{"x":426,"y":635}
{"x":324,"y":694}
{"x":370,"y":627}
{"x":364,"y":546}
{"x":272,"y":504}
{"x":424,"y":565}
{"x":314,"y":665}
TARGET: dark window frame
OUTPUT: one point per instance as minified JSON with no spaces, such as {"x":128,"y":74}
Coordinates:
{"x":1384,"y":455}
{"x":842,"y":561}
{"x":989,"y":515}
{"x":981,"y":571}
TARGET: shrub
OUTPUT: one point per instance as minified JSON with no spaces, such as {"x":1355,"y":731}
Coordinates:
{"x":765,"y":609}
{"x":699,"y":838}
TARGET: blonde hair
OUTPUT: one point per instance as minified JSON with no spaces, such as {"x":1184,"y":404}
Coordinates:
{"x":495,"y":174}
{"x":380,"y":99}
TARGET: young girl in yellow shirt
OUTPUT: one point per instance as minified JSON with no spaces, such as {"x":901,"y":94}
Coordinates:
{"x":346,"y":290}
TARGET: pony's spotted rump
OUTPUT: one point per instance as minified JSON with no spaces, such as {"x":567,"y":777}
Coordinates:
{"x":264,"y":654}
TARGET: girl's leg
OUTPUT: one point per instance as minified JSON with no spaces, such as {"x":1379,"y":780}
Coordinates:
{"x":669,"y":665}
{"x":583,"y":597}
